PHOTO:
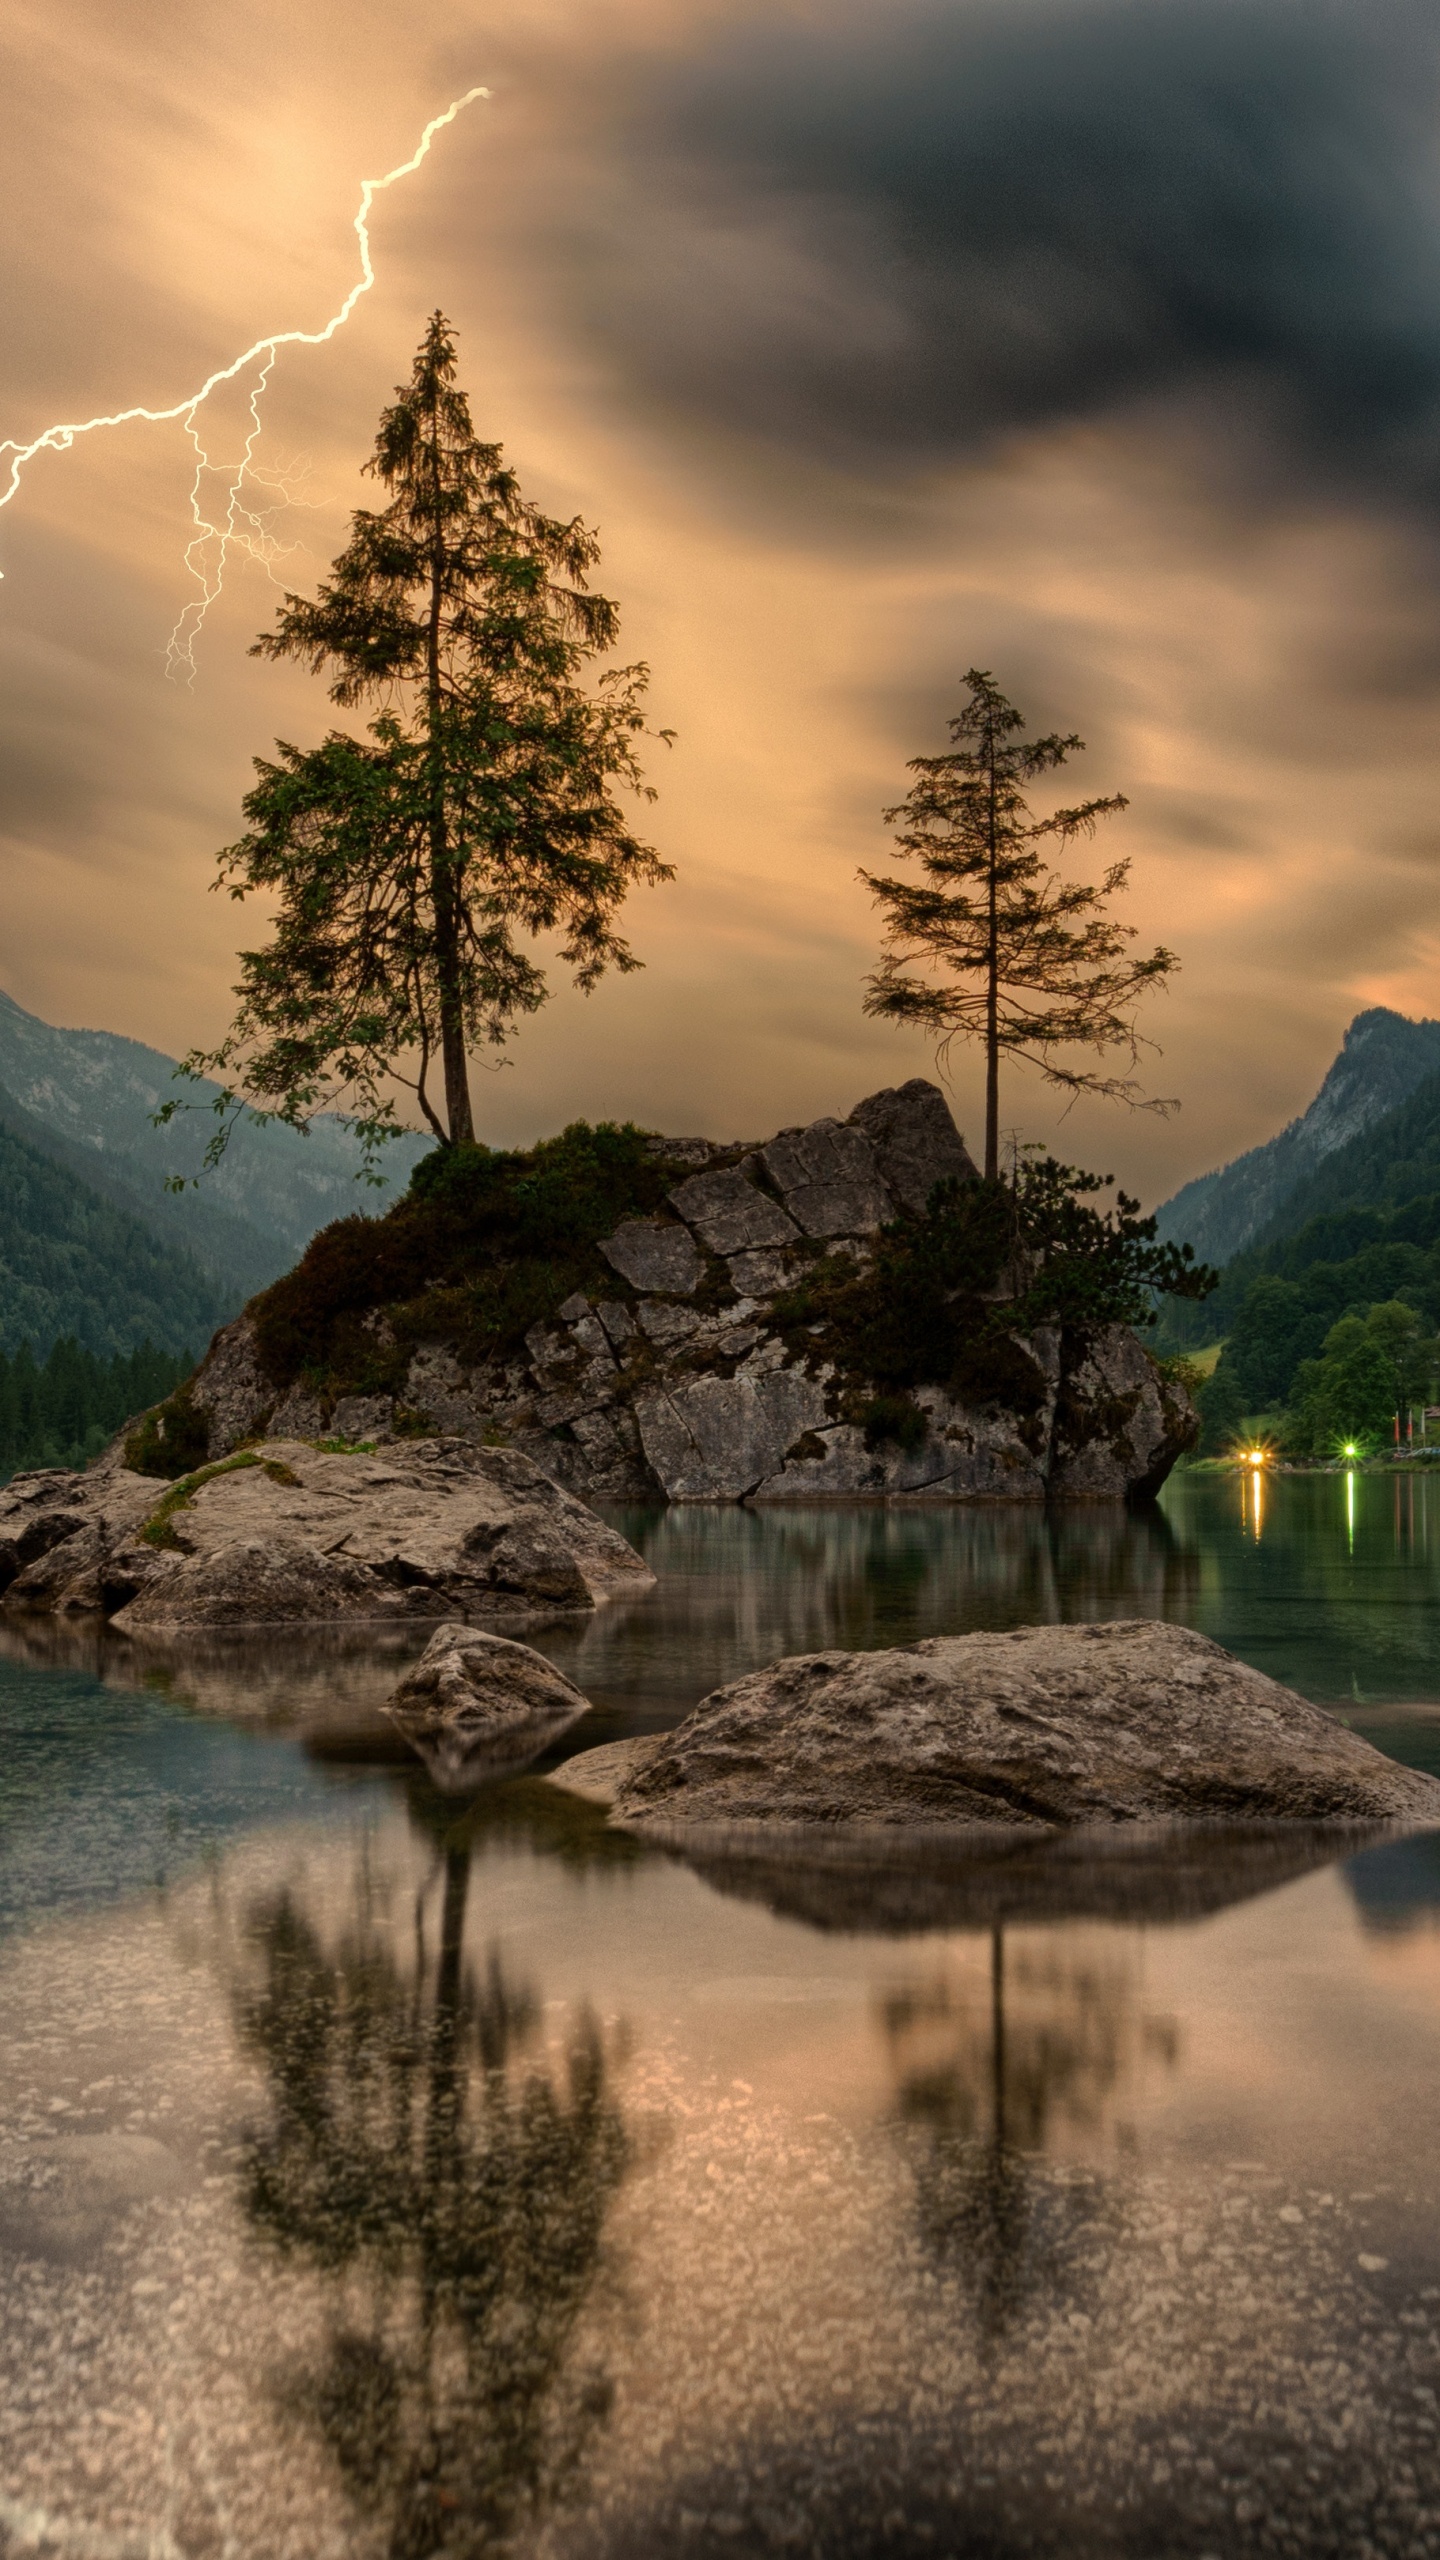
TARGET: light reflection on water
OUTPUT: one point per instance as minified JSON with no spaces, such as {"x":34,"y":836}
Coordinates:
{"x":387,"y":2174}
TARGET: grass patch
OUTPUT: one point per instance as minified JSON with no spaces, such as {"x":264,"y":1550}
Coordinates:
{"x":158,"y":1530}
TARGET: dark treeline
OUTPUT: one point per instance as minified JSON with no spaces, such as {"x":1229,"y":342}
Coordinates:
{"x":60,"y":1412}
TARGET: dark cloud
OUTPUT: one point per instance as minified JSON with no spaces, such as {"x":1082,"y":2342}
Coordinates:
{"x":901,"y":231}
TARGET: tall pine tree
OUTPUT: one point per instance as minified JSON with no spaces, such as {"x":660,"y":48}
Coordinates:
{"x":1013,"y":956}
{"x":479,"y":809}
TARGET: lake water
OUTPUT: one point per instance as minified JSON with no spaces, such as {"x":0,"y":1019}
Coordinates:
{"x":385,"y":2174}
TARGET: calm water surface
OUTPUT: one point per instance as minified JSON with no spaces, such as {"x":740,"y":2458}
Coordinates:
{"x":386,"y":2173}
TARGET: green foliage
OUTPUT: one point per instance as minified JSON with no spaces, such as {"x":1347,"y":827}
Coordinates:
{"x":1010,"y":954}
{"x":171,"y":1440}
{"x":1282,"y":1320}
{"x":480,"y":807}
{"x":1092,"y":1267}
{"x":1348,"y":1258}
{"x":484,"y":1245}
{"x":1222,"y":1408}
{"x":951,"y":1296}
{"x":74,"y":1264}
{"x":898,"y":1419}
{"x":1369,"y":1367}
{"x":62,"y":1411}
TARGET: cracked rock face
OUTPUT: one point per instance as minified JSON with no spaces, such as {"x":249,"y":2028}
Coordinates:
{"x":914,"y":1141}
{"x":729,"y":1214}
{"x":829,"y":1179}
{"x":716,"y":1439}
{"x":652,"y":1256}
{"x":421,"y":1529}
{"x":1048,"y":1727}
{"x":677,"y":1384}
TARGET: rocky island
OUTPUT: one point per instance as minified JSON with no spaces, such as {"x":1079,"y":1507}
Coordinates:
{"x":817,"y":1316}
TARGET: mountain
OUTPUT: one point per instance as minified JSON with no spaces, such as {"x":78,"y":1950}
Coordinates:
{"x":238,"y":1258}
{"x":72,"y":1262}
{"x":1394,"y":1161}
{"x":85,"y":1100}
{"x":1306,"y":1169}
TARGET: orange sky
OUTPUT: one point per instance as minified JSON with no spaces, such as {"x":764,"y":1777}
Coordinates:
{"x":1249,"y":648}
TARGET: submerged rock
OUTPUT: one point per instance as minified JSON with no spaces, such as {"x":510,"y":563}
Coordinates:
{"x":1044,"y":1728}
{"x":287,"y":1533}
{"x":476,"y":1703}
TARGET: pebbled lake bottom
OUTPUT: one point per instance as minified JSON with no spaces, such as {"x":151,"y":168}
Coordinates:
{"x":387,"y":2173}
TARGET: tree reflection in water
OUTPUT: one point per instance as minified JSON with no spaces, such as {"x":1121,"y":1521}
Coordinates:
{"x":454,"y":2184}
{"x":986,"y":2104}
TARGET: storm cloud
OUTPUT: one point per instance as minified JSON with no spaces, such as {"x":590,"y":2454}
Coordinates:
{"x":895,"y":234}
{"x":1099,"y":344}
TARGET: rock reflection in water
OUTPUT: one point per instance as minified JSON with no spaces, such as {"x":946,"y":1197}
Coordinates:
{"x":886,"y":1884}
{"x":983,"y":2084}
{"x":1396,"y":1886}
{"x":326,"y":1686}
{"x":738,"y":1587}
{"x":452,"y":2182}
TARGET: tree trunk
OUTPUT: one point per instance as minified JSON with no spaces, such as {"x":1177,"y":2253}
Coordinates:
{"x":992,"y":1009}
{"x":444,"y":881}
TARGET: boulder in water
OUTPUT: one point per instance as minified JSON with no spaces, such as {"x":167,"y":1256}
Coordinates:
{"x":1047,"y":1727}
{"x":476,"y":1703}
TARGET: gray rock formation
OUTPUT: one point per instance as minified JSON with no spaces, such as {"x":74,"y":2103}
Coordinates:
{"x":730,"y":1214}
{"x":713,"y":1439}
{"x":677,"y":1380}
{"x":286,"y":1533}
{"x":652,"y":1256}
{"x":61,"y":1535}
{"x":915,"y":1142}
{"x":1114,"y":1416}
{"x":476,"y":1704}
{"x":829,"y":1179}
{"x":1124,"y":1722}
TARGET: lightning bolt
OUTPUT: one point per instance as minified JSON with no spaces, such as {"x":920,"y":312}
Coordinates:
{"x":244,"y":527}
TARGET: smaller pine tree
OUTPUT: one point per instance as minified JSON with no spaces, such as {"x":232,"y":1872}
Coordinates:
{"x":1014,"y":956}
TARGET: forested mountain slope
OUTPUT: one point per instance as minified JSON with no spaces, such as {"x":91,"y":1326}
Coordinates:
{"x":87,"y":1099}
{"x":236,"y":1256}
{"x":1394,"y":1161}
{"x":1316,"y":1162}
{"x":72,"y":1262}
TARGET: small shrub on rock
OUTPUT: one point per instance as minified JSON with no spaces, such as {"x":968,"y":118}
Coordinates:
{"x":950,"y":1298}
{"x":484,"y":1245}
{"x":898,"y":1419}
{"x":171,"y":1440}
